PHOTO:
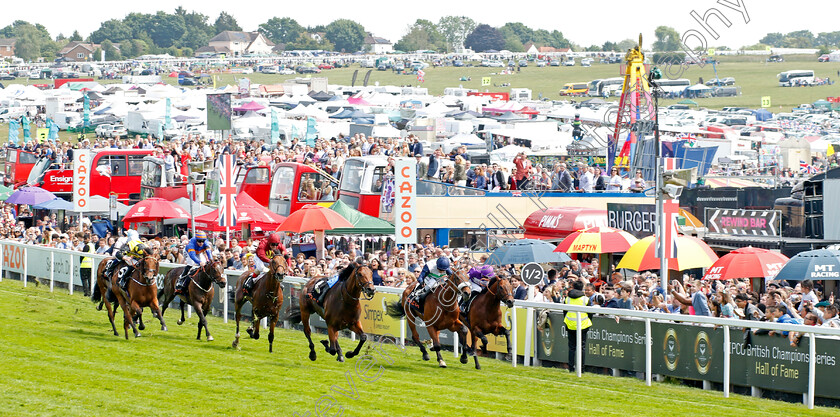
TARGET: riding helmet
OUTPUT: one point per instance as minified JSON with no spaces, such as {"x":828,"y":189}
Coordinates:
{"x":442,"y":263}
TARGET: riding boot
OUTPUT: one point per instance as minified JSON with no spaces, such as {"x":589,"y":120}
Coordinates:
{"x":124,"y":274}
{"x":322,"y":295}
{"x":182,"y":281}
{"x":246,"y":287}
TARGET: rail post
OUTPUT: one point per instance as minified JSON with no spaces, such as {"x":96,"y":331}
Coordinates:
{"x":25,"y":269}
{"x":52,"y":270}
{"x":579,"y":351}
{"x":648,"y":355}
{"x":726,"y":361}
{"x":812,"y":369}
{"x":514,"y":335}
{"x":72,"y":270}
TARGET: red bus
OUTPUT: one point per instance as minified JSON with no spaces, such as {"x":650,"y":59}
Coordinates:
{"x":112,"y":171}
{"x":362,"y":179}
{"x":256,"y":182}
{"x":18,"y":164}
{"x":155,"y":183}
{"x":294,"y":185}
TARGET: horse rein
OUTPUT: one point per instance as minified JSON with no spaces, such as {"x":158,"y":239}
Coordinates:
{"x":143,"y":269}
{"x":344,"y":289}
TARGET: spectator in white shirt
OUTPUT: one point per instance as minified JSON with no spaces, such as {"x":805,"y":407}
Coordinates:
{"x":587,"y":181}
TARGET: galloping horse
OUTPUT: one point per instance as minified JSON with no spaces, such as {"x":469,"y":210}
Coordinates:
{"x":142,"y":292}
{"x":440,"y":312}
{"x":199,"y":290}
{"x":266,"y":298}
{"x":485,"y":315}
{"x":341,"y":309}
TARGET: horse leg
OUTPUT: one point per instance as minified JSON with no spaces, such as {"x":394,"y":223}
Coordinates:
{"x":238,"y":305}
{"x":357,"y":328}
{"x":129,"y":320}
{"x":506,"y":332}
{"x":462,"y":340}
{"x":339,"y":355}
{"x":304,"y":318}
{"x":329,"y":345}
{"x":435,"y":334}
{"x":110,"y":313}
{"x":335,"y":349}
{"x":182,"y":320}
{"x":141,"y":326}
{"x":156,"y":309}
{"x":416,"y":338}
{"x":202,"y":321}
{"x":272,"y":321}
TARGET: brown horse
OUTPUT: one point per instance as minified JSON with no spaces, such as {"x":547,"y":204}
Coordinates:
{"x":341,"y":309}
{"x":142,"y":292}
{"x":199,"y":292}
{"x":440,"y":312}
{"x":266,"y":298}
{"x":485,"y":315}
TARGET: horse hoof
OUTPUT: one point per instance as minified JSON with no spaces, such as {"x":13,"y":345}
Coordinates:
{"x":463,"y":359}
{"x":340,"y":358}
{"x":250,"y":332}
{"x":478,"y":367}
{"x":312,"y":355}
{"x":136,"y":335}
{"x":210,"y":338}
{"x":425,"y":356}
{"x":180,"y":322}
{"x":116,"y":334}
{"x":235,"y":345}
{"x":350,"y":355}
{"x":164,"y":328}
{"x":442,"y":364}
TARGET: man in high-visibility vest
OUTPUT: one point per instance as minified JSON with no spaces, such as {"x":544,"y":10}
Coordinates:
{"x":86,"y":266}
{"x":577,"y":297}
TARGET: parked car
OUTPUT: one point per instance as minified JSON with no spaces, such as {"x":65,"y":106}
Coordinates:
{"x":775,"y":58}
{"x":6,"y":76}
{"x":269,"y":70}
{"x":286,"y":71}
{"x":523,"y":63}
{"x":458,"y":63}
{"x":554,"y":63}
{"x":823,"y":58}
{"x":721,"y":81}
{"x":110,"y":131}
{"x":303,"y":69}
{"x":569,"y":63}
{"x":325,"y":66}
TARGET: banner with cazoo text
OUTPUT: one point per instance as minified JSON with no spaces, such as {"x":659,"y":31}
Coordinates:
{"x":696,"y":352}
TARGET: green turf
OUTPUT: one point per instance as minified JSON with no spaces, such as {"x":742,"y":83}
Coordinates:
{"x":60,"y":358}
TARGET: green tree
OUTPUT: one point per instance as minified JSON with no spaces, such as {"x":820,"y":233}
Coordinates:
{"x":113,"y":30}
{"x":609,"y":47}
{"x":513,"y":44}
{"x":198,"y":32}
{"x":829,"y":39}
{"x":799,"y":39}
{"x":165,"y":29}
{"x":226,"y":22}
{"x":134,"y":48}
{"x":455,"y":30}
{"x":281,"y":29}
{"x":76,"y":36}
{"x":518,"y":31}
{"x":556,"y":39}
{"x":305,"y":42}
{"x":111,"y":52}
{"x":774,"y":39}
{"x":667,"y":39}
{"x":484,"y":38}
{"x":626,"y":44}
{"x":346,"y":35}
{"x":422,"y":35}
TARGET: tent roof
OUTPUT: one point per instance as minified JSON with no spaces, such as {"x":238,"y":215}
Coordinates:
{"x":362,"y":223}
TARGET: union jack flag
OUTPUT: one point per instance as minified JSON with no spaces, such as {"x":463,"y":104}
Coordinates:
{"x":803,"y":166}
{"x":421,"y":75}
{"x":227,"y":192}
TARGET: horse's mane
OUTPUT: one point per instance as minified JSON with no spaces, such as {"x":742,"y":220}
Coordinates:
{"x":492,"y":281}
{"x":345,"y":273}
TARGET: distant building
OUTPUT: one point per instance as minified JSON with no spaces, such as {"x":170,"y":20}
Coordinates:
{"x":377,"y":45}
{"x":532,"y":49}
{"x":7,"y":47}
{"x":76,"y":51}
{"x":236,"y":44}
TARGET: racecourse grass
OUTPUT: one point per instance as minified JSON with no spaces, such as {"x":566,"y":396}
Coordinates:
{"x":59,"y":358}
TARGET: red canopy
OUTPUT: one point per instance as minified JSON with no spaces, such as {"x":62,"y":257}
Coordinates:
{"x":312,"y":217}
{"x":559,"y":222}
{"x":747,"y":262}
{"x":152,"y":209}
{"x":253,"y":105}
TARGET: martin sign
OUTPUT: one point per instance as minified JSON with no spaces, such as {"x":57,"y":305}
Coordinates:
{"x":744,"y":222}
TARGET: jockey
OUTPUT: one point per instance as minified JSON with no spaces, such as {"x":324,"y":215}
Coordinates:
{"x":195,"y":248}
{"x":268,"y":248}
{"x":433,"y":270}
{"x":128,"y":250}
{"x":479,"y":277}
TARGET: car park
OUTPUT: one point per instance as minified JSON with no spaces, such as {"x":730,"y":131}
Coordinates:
{"x":286,"y":71}
{"x":523,"y":63}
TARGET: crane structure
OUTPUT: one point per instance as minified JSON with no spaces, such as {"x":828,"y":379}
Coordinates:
{"x":634,"y":106}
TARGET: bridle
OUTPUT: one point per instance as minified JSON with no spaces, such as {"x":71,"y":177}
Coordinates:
{"x":203,"y":270}
{"x":355,"y":279}
{"x":498,"y":287}
{"x":142,"y":269}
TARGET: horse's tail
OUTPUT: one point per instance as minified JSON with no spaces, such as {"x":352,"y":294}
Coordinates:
{"x":293,"y":313}
{"x":95,"y":295}
{"x":395,"y":309}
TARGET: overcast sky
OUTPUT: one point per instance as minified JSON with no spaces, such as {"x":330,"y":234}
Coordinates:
{"x":582,"y":22}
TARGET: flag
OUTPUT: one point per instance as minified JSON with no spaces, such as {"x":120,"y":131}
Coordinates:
{"x":669,"y":164}
{"x":803,"y":166}
{"x":227,"y":192}
{"x":13,"y":131}
{"x":53,"y":127}
{"x":830,"y":150}
{"x":167,"y":121}
{"x":24,"y":122}
{"x":275,"y":126}
{"x":86,"y":111}
{"x":421,"y":75}
{"x":311,"y":131}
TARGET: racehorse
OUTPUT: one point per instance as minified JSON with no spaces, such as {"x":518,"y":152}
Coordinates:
{"x":341,"y":308}
{"x":485,"y":315}
{"x":440,"y":312}
{"x":199,"y":291}
{"x":142,"y":292}
{"x":266,"y":298}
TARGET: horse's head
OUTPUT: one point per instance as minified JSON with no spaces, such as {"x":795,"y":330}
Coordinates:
{"x":503,"y":290}
{"x":364,"y":279}
{"x":461,"y":280}
{"x":214,"y":270}
{"x":149,"y":268}
{"x":278,"y":268}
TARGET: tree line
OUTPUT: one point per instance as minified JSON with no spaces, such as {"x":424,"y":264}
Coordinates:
{"x":182,"y":32}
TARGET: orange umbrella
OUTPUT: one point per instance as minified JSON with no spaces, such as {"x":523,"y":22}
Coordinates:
{"x":314,"y":218}
{"x":597,"y":240}
{"x":691,"y":253}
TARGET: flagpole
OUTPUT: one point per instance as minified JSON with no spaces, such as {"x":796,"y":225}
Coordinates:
{"x":227,"y":236}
